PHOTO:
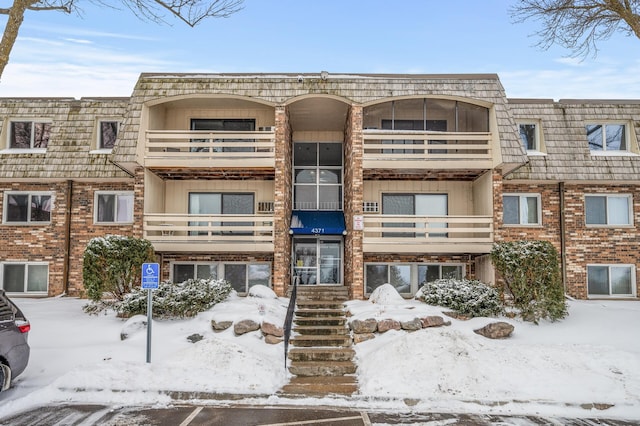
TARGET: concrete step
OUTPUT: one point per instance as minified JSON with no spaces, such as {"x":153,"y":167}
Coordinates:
{"x":319,"y":304}
{"x":305,"y":312}
{"x":309,"y":321}
{"x":321,"y":330}
{"x":320,"y":386}
{"x":311,"y":341}
{"x":322,"y":368}
{"x":321,"y":354}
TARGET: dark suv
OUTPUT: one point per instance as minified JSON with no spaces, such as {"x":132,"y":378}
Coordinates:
{"x":14,"y":349}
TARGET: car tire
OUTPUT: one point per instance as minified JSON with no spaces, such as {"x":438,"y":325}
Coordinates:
{"x":5,"y":377}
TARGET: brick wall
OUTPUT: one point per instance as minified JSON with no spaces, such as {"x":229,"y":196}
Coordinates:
{"x":584,"y":245}
{"x":353,"y":188}
{"x":282,"y":203}
{"x":49,"y":242}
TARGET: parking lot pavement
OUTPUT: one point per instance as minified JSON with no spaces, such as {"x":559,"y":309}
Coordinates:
{"x":89,"y":415}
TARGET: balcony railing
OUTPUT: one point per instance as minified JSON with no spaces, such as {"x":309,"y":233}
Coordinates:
{"x":404,"y":149}
{"x":197,"y":232}
{"x":427,"y":234}
{"x":202,"y":148}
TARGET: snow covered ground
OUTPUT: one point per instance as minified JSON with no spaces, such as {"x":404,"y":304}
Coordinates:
{"x":553,"y":369}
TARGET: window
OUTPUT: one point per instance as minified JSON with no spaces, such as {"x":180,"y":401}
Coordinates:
{"x":113,"y":207}
{"x":408,"y":277}
{"x":225,"y":125}
{"x":607,"y":137}
{"x":529,"y":136}
{"x":107,"y":134}
{"x":611,"y":280}
{"x":521,"y":209}
{"x":414,"y":205}
{"x":25,"y":277}
{"x":241,"y":276}
{"x":317,"y":176}
{"x":23,"y":207}
{"x":29,"y":134}
{"x":217,"y":203}
{"x":608,"y":209}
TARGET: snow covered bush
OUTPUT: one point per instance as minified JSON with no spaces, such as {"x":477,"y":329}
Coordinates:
{"x":466,"y":297}
{"x":180,"y":300}
{"x":531,"y":275}
{"x":112,"y":264}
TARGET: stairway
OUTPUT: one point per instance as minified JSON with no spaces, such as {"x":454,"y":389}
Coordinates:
{"x":321,"y":357}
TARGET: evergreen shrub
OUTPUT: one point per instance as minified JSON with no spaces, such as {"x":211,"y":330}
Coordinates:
{"x":466,"y":297}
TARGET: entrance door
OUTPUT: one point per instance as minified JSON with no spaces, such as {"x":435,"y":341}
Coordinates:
{"x":317,"y":260}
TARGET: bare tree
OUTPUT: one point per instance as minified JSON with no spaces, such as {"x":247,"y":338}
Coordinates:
{"x":191,"y":12}
{"x":578,"y":24}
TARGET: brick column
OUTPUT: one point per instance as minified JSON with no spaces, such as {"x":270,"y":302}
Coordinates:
{"x":282,"y":203}
{"x":353,"y":188}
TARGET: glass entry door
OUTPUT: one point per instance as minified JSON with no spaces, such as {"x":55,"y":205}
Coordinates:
{"x":317,"y":260}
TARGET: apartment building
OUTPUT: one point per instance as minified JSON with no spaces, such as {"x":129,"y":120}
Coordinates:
{"x":322,"y":179}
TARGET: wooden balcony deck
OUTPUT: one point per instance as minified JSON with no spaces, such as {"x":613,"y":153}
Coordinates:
{"x":427,"y":234}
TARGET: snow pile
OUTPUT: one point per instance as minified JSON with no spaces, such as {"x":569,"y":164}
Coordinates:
{"x":590,"y":357}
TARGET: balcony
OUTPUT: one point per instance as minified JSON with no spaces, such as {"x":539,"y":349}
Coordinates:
{"x":427,"y":234}
{"x":195,"y":149}
{"x":411,"y":150}
{"x":209,"y":233}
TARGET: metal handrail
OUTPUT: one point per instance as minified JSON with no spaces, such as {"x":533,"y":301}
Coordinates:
{"x":289,"y":318}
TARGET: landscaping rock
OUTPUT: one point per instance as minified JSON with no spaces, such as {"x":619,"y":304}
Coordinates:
{"x":271,"y":329}
{"x":496,"y":330}
{"x":220,"y":325}
{"x":245,"y":326}
{"x":370,"y":325}
{"x":413,"y":325}
{"x":457,"y":316}
{"x":432,"y":321}
{"x":388,"y":324}
{"x":272,"y":340}
{"x":195,"y":338}
{"x":134,"y":325}
{"x":362,"y":337}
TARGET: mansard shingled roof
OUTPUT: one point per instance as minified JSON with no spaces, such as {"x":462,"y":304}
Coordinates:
{"x":363,"y":89}
{"x":567,"y":151}
{"x":72,"y":132}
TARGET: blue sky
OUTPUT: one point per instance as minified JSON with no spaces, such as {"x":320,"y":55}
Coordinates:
{"x":103,"y":51}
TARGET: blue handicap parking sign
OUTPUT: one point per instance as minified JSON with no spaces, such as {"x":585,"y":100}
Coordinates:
{"x":150,"y":276}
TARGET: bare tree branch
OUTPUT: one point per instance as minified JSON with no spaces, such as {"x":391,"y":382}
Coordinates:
{"x":579,"y":24}
{"x":191,"y":12}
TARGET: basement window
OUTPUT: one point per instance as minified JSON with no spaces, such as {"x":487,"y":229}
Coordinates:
{"x":28,"y":277}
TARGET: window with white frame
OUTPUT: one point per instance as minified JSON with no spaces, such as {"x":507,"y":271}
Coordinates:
{"x":521,"y":209}
{"x":107,"y":134}
{"x":407,"y":278}
{"x":27,"y":277}
{"x":241,"y":275}
{"x":29,"y":134}
{"x":113,"y":207}
{"x":611,"y":280}
{"x":607,"y":137}
{"x":530,"y":136}
{"x":27,"y":207}
{"x":608,"y":209}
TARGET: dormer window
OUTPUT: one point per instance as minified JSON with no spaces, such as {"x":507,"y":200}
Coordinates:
{"x":107,"y":134}
{"x":609,"y":137}
{"x":29,"y":134}
{"x":531,"y":137}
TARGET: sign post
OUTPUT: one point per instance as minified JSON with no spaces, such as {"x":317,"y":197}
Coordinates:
{"x":150,"y":282}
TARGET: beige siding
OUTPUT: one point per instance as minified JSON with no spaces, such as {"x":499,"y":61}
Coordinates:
{"x":180,"y":118}
{"x":154,"y":193}
{"x":310,"y":136}
{"x":482,"y":195}
{"x":177,"y":192}
{"x":459,"y":193}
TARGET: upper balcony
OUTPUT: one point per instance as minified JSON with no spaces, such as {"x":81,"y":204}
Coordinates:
{"x":409,"y":136}
{"x":208,"y":137}
{"x":209,"y":149}
{"x":404,"y":149}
